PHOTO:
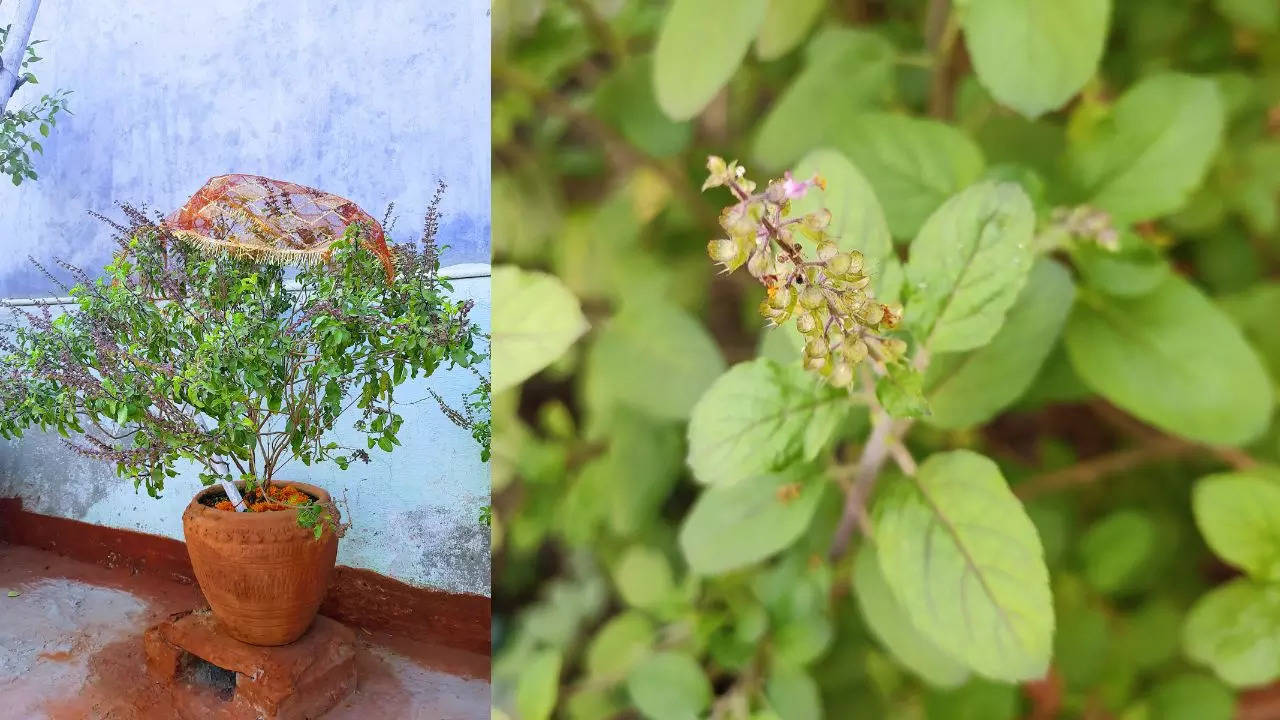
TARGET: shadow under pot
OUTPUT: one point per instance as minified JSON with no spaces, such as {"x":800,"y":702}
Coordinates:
{"x":263,"y":574}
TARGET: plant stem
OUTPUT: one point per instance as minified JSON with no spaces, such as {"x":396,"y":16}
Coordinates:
{"x":884,"y":441}
{"x":606,"y":37}
{"x":854,"y":11}
{"x":941,"y":32}
{"x":1154,"y":448}
{"x":1092,"y":470}
{"x":902,"y":457}
{"x":874,"y":455}
{"x":919,"y":60}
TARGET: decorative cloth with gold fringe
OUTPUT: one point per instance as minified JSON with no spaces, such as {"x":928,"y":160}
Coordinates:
{"x":275,"y":220}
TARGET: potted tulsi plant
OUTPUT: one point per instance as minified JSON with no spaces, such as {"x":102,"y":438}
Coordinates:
{"x":235,"y":337}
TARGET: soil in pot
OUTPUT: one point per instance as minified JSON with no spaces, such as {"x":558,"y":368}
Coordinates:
{"x":275,"y":497}
{"x":263,"y":574}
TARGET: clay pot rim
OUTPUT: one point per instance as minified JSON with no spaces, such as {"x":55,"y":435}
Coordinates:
{"x":253,"y":517}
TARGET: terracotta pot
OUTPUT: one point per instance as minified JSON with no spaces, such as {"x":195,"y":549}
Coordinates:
{"x":263,"y":574}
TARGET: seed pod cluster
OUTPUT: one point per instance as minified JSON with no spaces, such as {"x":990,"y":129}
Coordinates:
{"x":827,"y":293}
{"x":1089,"y":223}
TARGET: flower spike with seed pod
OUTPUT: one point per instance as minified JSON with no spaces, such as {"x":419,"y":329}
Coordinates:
{"x":827,"y":293}
{"x":1087,"y":223}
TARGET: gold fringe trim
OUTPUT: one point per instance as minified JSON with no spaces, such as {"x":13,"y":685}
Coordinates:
{"x":208,"y":245}
{"x":285,"y":256}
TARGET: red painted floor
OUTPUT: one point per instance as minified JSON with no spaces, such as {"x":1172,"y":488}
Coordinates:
{"x":71,"y":649}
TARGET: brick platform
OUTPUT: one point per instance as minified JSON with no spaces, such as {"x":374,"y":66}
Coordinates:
{"x":298,"y":681}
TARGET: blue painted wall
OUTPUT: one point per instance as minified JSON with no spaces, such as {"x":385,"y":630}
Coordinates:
{"x":373,"y":101}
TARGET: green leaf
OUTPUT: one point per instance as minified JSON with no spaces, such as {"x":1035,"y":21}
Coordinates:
{"x":1261,"y":15}
{"x":890,"y":624}
{"x":901,"y":392}
{"x":538,"y":686}
{"x":964,"y":561}
{"x":785,"y":24}
{"x":793,"y":695}
{"x":800,"y":640}
{"x":525,"y":212}
{"x":811,"y":112}
{"x":643,"y":462}
{"x":1034,"y":55}
{"x":1084,"y":635}
{"x":535,"y":319}
{"x":1239,"y":516}
{"x":857,"y":220}
{"x":759,"y":416}
{"x":590,"y":702}
{"x":584,"y":504}
{"x":1191,"y":696}
{"x":619,"y":645}
{"x":888,"y":287}
{"x":732,"y":526}
{"x":913,"y":164}
{"x":626,"y":100}
{"x":596,"y":250}
{"x":967,"y":266}
{"x":1135,"y":268}
{"x":1116,"y":548}
{"x":1150,"y":635}
{"x":978,"y":699}
{"x":782,"y":344}
{"x":1173,"y":359}
{"x":699,"y":48}
{"x":643,"y":577}
{"x":654,"y":357}
{"x":1254,"y":179}
{"x":1254,"y":309}
{"x":967,"y":389}
{"x":1235,"y":630}
{"x":1154,"y":149}
{"x":669,"y":686}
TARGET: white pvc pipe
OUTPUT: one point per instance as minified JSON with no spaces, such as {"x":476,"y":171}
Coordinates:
{"x":233,"y":494}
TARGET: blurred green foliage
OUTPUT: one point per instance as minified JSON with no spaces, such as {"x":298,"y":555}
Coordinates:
{"x":1078,"y":204}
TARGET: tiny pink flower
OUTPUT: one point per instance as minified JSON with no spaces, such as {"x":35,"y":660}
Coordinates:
{"x":794,"y":188}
